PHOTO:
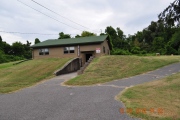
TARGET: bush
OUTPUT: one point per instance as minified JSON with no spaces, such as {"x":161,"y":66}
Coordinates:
{"x":143,"y":52}
{"x":170,"y":50}
{"x":179,"y":51}
{"x":120,"y":52}
{"x":8,"y":58}
{"x":135,"y":50}
{"x":162,"y":51}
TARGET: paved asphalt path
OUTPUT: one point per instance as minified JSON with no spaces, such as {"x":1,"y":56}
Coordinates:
{"x":51,"y":101}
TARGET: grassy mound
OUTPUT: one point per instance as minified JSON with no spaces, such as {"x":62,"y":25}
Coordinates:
{"x":15,"y":77}
{"x":108,"y":68}
{"x":162,"y":96}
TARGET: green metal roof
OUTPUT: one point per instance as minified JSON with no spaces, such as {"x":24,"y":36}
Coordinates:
{"x":71,"y":41}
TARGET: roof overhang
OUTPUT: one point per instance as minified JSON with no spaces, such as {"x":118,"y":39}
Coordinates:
{"x":66,"y":45}
{"x":72,"y":43}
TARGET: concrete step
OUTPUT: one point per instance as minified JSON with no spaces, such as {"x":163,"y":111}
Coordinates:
{"x":85,"y":65}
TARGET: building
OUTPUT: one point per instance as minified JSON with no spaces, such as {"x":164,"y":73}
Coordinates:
{"x":82,"y":47}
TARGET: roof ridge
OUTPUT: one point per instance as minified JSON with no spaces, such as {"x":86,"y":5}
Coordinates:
{"x":70,"y":41}
{"x":77,"y":38}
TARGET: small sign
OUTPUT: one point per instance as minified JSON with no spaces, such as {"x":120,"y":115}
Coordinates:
{"x":98,"y":50}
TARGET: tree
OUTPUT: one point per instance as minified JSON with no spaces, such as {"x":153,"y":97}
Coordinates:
{"x":1,"y":43}
{"x":0,"y":39}
{"x":147,"y":36}
{"x":120,"y":33}
{"x":171,"y":14}
{"x":27,"y":51}
{"x":168,"y":32}
{"x":152,"y":27}
{"x":158,"y":45}
{"x":102,"y":34}
{"x":160,"y":29}
{"x":135,"y":50}
{"x":136,"y":43}
{"x":112,"y":33}
{"x":86,"y":34}
{"x":139,"y":36}
{"x":77,"y":36}
{"x":64,"y":36}
{"x":5,"y":47}
{"x":28,"y":43}
{"x":18,"y":49}
{"x":179,"y":51}
{"x":170,"y":50}
{"x":121,"y":42}
{"x":175,"y":40}
{"x":37,"y":41}
{"x":118,"y":38}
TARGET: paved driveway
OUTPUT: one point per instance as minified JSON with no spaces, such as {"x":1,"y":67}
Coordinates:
{"x":51,"y":101}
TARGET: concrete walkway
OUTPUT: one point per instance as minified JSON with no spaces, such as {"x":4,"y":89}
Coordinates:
{"x":51,"y":101}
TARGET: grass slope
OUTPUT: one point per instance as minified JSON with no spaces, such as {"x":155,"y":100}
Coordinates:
{"x":164,"y":94}
{"x":15,"y":77}
{"x":108,"y":68}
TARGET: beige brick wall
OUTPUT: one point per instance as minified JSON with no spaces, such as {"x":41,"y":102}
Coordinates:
{"x":107,"y":50}
{"x":58,"y":52}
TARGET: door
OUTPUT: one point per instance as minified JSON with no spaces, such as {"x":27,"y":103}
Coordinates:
{"x":88,"y":56}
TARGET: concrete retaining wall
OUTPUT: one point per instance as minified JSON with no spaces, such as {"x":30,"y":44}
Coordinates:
{"x":71,"y":66}
{"x":85,"y":65}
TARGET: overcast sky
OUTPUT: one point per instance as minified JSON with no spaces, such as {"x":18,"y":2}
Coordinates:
{"x":74,"y":16}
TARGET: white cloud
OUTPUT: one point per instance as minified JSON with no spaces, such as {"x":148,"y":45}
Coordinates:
{"x":131,"y":16}
{"x":11,"y":38}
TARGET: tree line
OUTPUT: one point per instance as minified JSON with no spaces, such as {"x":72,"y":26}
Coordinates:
{"x":156,"y":38}
{"x":19,"y":51}
{"x":162,"y":36}
{"x":16,"y":51}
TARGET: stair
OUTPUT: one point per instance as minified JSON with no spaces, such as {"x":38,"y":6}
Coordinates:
{"x":85,"y":65}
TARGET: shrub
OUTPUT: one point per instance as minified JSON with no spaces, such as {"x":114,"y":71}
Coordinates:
{"x":8,"y":58}
{"x":170,"y":50}
{"x":135,"y":50}
{"x":179,"y":51}
{"x":120,"y":52}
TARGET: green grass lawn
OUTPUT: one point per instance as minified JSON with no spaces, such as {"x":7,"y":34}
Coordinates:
{"x":162,"y":95}
{"x":108,"y":68}
{"x":15,"y":77}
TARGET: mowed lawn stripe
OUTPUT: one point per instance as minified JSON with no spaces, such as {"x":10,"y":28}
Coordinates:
{"x":15,"y":77}
{"x":108,"y":68}
{"x":162,"y":96}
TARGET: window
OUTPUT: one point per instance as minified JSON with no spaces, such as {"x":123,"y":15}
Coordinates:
{"x":40,"y":51}
{"x":44,"y":51}
{"x":104,"y":50}
{"x":66,"y":49}
{"x":69,"y":50}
